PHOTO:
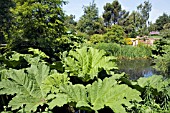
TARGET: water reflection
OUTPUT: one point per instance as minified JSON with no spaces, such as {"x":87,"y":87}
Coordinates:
{"x":136,"y":68}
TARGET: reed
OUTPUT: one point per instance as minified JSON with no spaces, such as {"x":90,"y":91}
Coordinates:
{"x":125,"y":51}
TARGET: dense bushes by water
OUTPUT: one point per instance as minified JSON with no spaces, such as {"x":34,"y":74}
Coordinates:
{"x":125,"y":51}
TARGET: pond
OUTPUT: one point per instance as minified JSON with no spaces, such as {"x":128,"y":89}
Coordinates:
{"x":137,"y":68}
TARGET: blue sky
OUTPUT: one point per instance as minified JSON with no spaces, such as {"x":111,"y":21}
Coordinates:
{"x":158,"y":7}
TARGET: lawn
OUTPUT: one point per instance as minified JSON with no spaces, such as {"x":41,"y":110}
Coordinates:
{"x":156,"y":36}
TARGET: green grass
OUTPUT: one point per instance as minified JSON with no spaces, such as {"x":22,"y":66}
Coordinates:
{"x":156,"y":36}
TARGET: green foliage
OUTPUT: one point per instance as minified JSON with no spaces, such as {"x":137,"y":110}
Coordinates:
{"x":110,"y":48}
{"x":6,"y":18}
{"x":70,"y":23}
{"x":86,"y":63}
{"x":166,"y":26}
{"x":113,"y":13}
{"x":83,"y":35}
{"x":144,"y":10}
{"x":38,"y":52}
{"x":133,"y":34}
{"x":152,"y":27}
{"x":52,"y":83}
{"x":96,"y":38}
{"x":162,"y":20}
{"x":162,"y":62}
{"x":165,"y":34}
{"x":99,"y":94}
{"x":69,"y":41}
{"x":27,"y":85}
{"x":155,"y":93}
{"x":16,"y":60}
{"x":125,"y":51}
{"x":162,"y":52}
{"x":158,"y":48}
{"x":5,"y":12}
{"x":90,"y":22}
{"x":36,"y":24}
{"x":115,"y":35}
{"x":36,"y":85}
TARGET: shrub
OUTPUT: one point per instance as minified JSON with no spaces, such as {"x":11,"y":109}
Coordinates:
{"x":115,"y":35}
{"x":165,"y":33}
{"x":128,"y":41}
{"x":96,"y":38}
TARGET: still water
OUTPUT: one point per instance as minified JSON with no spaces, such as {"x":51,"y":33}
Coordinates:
{"x":136,"y":68}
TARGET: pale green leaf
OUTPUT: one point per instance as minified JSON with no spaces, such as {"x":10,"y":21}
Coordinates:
{"x":86,"y":63}
{"x":155,"y":81}
{"x":27,"y":85}
{"x":109,"y":93}
{"x":58,"y":100}
{"x":30,"y":102}
{"x":75,"y":93}
{"x":53,"y":82}
{"x":100,"y":94}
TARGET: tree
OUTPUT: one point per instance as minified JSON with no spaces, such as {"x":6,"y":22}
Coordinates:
{"x":36,"y":24}
{"x":144,"y":10}
{"x":152,"y":27}
{"x":133,"y":23}
{"x":70,"y":23}
{"x":165,"y":34}
{"x":166,"y":26}
{"x":90,"y":22}
{"x":113,"y":13}
{"x":162,"y":20}
{"x":5,"y":18}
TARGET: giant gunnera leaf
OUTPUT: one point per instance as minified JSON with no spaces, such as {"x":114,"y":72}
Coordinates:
{"x":26,"y":84}
{"x":156,"y":82}
{"x":99,"y":94}
{"x":30,"y":86}
{"x":86,"y":63}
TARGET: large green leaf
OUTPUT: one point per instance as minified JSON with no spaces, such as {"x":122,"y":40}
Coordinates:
{"x":155,"y":81}
{"x":38,"y":52}
{"x":86,"y":63}
{"x":70,"y":94}
{"x":16,"y":60}
{"x":31,"y":102}
{"x":27,"y":85}
{"x":98,"y":95}
{"x":155,"y":92}
{"x":31,"y":86}
{"x":109,"y":93}
{"x":53,"y":82}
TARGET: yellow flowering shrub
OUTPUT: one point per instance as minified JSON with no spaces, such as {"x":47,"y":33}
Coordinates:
{"x":128,"y":41}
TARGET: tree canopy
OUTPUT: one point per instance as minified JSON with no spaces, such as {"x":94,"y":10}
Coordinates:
{"x":5,"y":18}
{"x":162,"y":20}
{"x":144,"y":10}
{"x":90,"y":22}
{"x":36,"y":23}
{"x":113,"y":13}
